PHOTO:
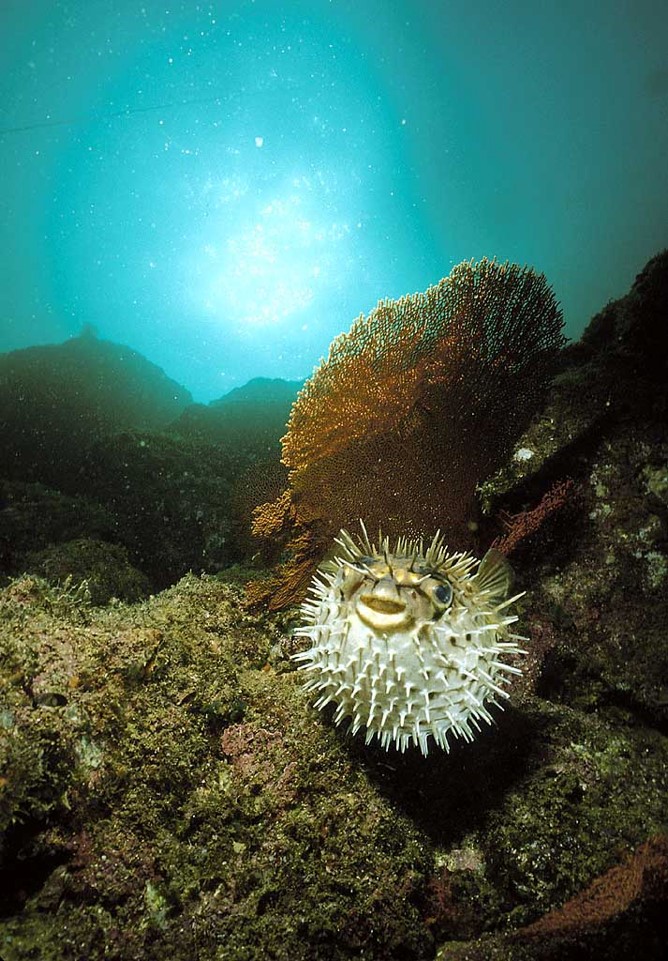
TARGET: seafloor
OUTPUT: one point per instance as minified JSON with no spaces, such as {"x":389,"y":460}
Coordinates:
{"x":168,"y":792}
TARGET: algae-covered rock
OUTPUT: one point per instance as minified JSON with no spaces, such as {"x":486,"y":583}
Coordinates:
{"x":170,"y":790}
{"x":163,"y":786}
{"x":105,"y":568}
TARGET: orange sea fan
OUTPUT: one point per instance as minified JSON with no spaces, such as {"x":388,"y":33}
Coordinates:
{"x":418,"y":403}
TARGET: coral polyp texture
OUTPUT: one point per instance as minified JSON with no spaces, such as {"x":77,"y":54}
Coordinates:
{"x":414,"y":406}
{"x":409,"y":643}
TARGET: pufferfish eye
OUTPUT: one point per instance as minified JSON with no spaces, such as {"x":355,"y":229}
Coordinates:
{"x":442,"y":595}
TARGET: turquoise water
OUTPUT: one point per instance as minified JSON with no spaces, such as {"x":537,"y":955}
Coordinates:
{"x":224,"y":186}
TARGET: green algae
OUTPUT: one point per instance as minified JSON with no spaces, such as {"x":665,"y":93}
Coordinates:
{"x":600,"y":788}
{"x":177,"y":793}
{"x":186,"y":786}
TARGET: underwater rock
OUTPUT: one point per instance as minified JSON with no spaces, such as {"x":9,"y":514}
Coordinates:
{"x":104,"y":568}
{"x":57,"y":399}
{"x":609,"y":919}
{"x":176,"y":500}
{"x":34,"y":517}
{"x":598,"y":570}
{"x":252,"y":416}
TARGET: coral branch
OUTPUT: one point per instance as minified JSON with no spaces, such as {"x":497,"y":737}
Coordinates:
{"x":523,"y":525}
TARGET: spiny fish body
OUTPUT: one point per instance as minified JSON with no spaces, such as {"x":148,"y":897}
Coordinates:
{"x":410,"y":644}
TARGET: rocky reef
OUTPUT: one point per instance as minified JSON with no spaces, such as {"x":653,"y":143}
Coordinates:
{"x":168,"y":791}
{"x":99,"y":443}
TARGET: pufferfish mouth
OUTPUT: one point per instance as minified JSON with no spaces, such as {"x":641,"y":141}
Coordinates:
{"x":382,"y":613}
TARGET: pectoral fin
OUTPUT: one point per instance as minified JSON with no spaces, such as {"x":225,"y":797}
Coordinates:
{"x":495,"y":575}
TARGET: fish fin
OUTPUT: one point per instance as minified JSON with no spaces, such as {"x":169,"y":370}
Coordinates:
{"x":495,"y":575}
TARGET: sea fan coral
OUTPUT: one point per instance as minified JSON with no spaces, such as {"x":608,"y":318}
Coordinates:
{"x":418,"y":403}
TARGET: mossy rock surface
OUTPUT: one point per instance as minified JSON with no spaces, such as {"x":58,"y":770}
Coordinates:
{"x":105,"y":569}
{"x":167,"y":789}
{"x":164,"y":788}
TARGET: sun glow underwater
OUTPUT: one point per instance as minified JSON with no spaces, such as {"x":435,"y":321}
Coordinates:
{"x":268,"y":258}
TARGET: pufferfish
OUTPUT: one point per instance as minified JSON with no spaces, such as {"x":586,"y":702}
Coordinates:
{"x":409,"y":644}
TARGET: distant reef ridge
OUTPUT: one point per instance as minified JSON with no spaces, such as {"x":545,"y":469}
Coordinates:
{"x":63,"y":397}
{"x":99,"y":447}
{"x":257,"y":411}
{"x":101,"y":386}
{"x":261,"y":390}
